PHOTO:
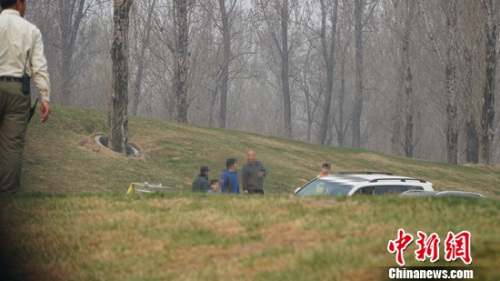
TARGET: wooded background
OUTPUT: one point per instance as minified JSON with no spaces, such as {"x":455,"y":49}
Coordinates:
{"x":408,"y":78}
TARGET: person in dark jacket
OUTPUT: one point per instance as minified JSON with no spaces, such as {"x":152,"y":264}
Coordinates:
{"x":252,"y":175}
{"x":201,"y":183}
{"x":229,"y":178}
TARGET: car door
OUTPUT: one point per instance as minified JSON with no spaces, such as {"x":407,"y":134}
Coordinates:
{"x":386,"y":189}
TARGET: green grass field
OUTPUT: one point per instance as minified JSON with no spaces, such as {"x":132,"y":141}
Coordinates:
{"x":74,"y":221}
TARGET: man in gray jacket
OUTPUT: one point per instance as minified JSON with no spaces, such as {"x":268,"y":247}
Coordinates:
{"x":253,"y":173}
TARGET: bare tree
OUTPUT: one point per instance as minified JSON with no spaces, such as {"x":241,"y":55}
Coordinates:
{"x":471,"y":126}
{"x":344,"y":41}
{"x":449,"y":62}
{"x":406,"y":10}
{"x":117,"y":117}
{"x":182,"y":56}
{"x":470,"y":64}
{"x":340,"y":127}
{"x":224,"y":81}
{"x":71,"y":14}
{"x":328,"y":51}
{"x":285,"y":72}
{"x":359,"y":7}
{"x":310,"y":84}
{"x":488,"y":105}
{"x":145,"y":35}
{"x":281,"y":9}
{"x":415,"y":73}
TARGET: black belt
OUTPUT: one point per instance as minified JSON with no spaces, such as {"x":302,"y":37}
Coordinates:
{"x":10,"y":79}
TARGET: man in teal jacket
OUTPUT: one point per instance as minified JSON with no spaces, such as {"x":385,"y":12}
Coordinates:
{"x":201,"y":183}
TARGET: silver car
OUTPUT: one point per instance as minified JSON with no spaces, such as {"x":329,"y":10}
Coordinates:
{"x":367,"y":183}
{"x":447,"y":193}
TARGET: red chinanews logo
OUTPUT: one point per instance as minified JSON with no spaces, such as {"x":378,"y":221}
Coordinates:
{"x":456,"y":246}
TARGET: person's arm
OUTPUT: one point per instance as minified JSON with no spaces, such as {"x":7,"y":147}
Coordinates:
{"x":263,"y":170}
{"x":44,"y":111}
{"x":244,"y":172}
{"x":223,"y":183}
{"x":206,"y":186}
{"x":236,"y":186}
{"x":195,"y":185}
{"x":40,"y":74}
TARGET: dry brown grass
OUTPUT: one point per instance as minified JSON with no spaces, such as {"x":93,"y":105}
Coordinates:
{"x":224,"y":237}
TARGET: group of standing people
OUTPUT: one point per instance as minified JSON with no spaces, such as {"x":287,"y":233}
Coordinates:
{"x":252,"y":178}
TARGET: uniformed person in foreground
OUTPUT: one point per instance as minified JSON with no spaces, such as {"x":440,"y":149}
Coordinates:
{"x":21,"y":59}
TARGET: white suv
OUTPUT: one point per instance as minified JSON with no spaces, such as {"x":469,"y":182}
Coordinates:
{"x":367,"y":183}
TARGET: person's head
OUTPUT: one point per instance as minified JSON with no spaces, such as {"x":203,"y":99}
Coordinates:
{"x":231,"y":164}
{"x":325,"y":169}
{"x":251,"y":157}
{"x":214,"y":185}
{"x":204,"y":171}
{"x":19,"y":5}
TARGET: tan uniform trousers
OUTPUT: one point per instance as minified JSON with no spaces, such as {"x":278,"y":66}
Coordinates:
{"x":14,"y":114}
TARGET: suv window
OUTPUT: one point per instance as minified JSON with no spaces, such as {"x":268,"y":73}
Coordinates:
{"x":322,"y":187}
{"x":386,"y":189}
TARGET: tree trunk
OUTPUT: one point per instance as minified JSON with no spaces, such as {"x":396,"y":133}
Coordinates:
{"x":285,"y":72}
{"x":181,"y":54}
{"x":409,"y":142}
{"x":358,"y":99}
{"x":117,"y":118}
{"x":224,"y":81}
{"x":451,"y":113}
{"x":397,"y":119}
{"x":340,"y":124}
{"x":213,"y":99}
{"x":408,"y":78}
{"x":471,"y":126}
{"x":69,"y":23}
{"x":141,"y":61}
{"x":283,"y":50}
{"x":328,"y":51}
{"x":309,"y":110}
{"x":471,"y":140}
{"x":488,"y":105}
{"x":450,"y":71}
{"x":449,"y":63}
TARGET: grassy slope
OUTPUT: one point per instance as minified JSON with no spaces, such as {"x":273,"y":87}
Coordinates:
{"x":56,"y":162}
{"x":73,"y":220}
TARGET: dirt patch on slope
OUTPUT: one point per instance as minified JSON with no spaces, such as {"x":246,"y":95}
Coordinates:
{"x":96,"y":143}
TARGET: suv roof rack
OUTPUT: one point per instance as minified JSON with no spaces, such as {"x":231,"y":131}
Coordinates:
{"x":398,"y":179}
{"x":366,"y":173}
